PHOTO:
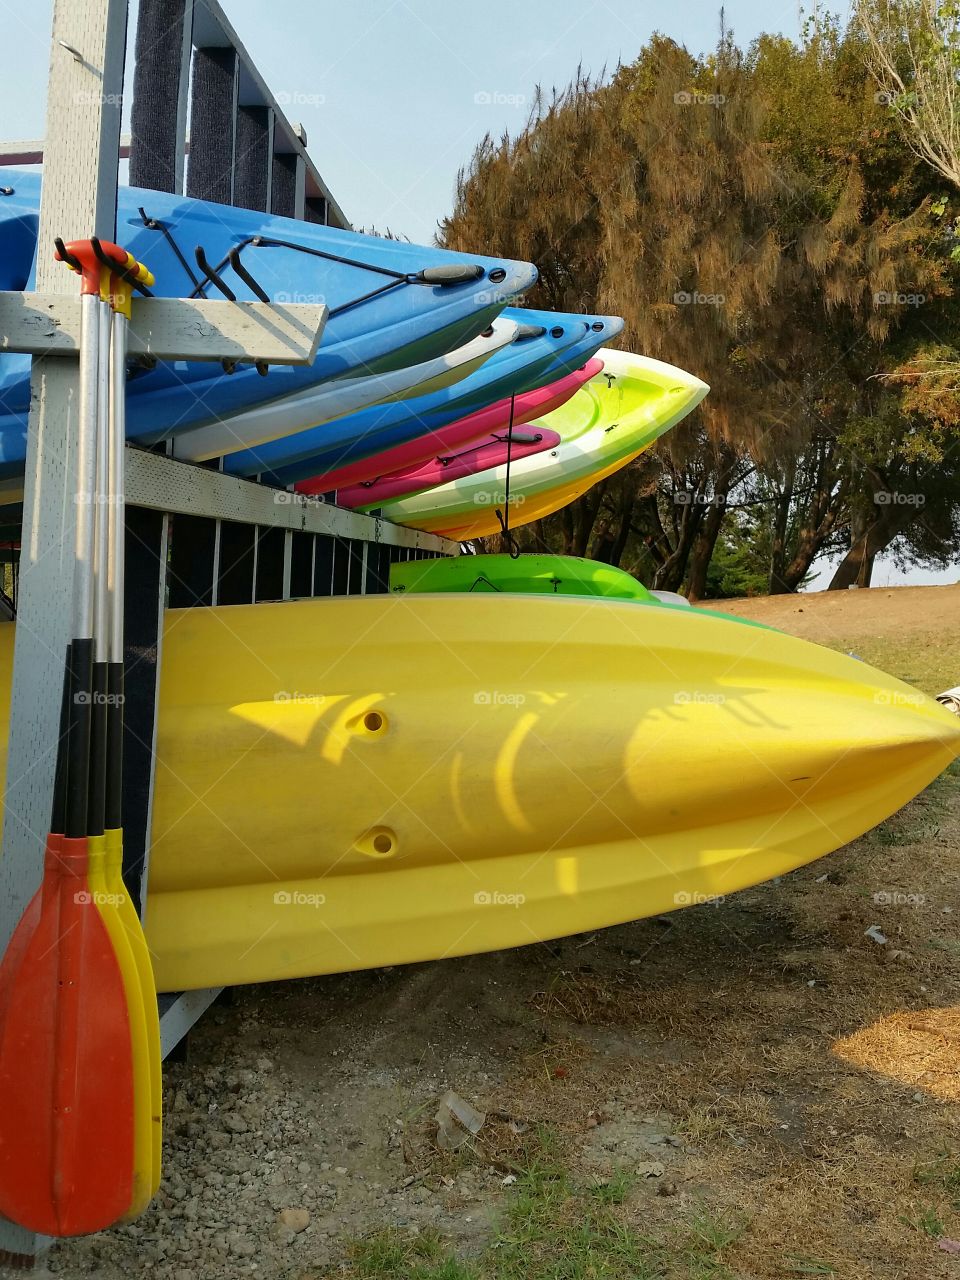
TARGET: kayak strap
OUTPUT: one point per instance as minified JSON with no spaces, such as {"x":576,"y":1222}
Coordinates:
{"x":504,"y":516}
{"x":154,"y":224}
{"x":521,"y":437}
{"x":442,"y":276}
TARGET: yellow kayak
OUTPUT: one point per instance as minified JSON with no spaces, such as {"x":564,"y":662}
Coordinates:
{"x":609,"y":422}
{"x":373,"y":780}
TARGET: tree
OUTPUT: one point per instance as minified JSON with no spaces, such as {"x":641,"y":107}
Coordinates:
{"x":913,"y":50}
{"x":757,"y":219}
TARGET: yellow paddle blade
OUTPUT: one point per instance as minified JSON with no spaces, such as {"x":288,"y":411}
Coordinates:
{"x":141,"y":954}
{"x":108,"y":902}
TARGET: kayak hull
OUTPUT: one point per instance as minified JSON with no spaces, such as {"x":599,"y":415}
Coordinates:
{"x":338,"y":397}
{"x":457,"y":435}
{"x":490,"y":451}
{"x":396,"y":778}
{"x":605,"y":425}
{"x":548,"y":346}
{"x":381,"y":315}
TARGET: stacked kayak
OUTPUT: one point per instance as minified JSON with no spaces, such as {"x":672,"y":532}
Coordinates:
{"x":390,"y":304}
{"x":476,"y":443}
{"x":341,"y":396}
{"x":620,"y":412}
{"x":492,"y":757}
{"x":547,"y":346}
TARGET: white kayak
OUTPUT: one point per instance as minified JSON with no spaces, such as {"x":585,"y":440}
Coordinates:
{"x":313,"y":406}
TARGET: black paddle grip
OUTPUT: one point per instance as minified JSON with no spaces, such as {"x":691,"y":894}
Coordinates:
{"x":58,"y":816}
{"x":80,"y":663}
{"x":96,"y":803}
{"x":114,"y":808}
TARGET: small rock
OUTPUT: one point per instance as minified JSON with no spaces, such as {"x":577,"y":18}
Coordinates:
{"x":303,"y":1168}
{"x":285,"y":1235}
{"x":235,"y":1122}
{"x":296,"y":1220}
{"x":667,"y":1188}
{"x":650,"y":1169}
{"x":264,"y":1064}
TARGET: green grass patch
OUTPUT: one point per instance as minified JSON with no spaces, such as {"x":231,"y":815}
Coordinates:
{"x":553,"y":1228}
{"x":927,"y":1221}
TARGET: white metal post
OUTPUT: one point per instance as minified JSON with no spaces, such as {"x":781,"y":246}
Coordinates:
{"x":81,"y":158}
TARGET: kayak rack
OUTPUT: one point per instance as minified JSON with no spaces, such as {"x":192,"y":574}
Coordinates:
{"x":203,"y":122}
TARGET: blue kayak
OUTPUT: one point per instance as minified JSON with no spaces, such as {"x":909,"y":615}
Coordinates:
{"x":549,"y":345}
{"x":391,"y":304}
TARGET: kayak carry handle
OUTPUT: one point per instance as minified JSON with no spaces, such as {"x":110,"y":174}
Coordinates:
{"x":452,"y":273}
{"x":525,"y":331}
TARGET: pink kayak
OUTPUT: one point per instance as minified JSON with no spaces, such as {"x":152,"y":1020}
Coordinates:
{"x":449,"y":439}
{"x":491,"y":451}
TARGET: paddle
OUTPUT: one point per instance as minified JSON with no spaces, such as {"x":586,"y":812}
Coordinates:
{"x":148,"y":1081}
{"x":66,"y":1069}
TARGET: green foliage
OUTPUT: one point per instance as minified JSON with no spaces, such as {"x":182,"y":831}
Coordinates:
{"x":757,"y":218}
{"x":740,"y":564}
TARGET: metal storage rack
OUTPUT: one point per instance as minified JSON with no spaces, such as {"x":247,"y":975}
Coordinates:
{"x":195,"y":536}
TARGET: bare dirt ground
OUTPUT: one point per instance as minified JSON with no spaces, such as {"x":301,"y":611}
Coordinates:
{"x":755,"y":1089}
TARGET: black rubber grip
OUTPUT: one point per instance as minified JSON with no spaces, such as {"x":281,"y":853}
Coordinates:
{"x":114,"y":805}
{"x":58,"y":815}
{"x":96,"y":804}
{"x":454,"y":273}
{"x":78,"y":738}
{"x":525,"y":331}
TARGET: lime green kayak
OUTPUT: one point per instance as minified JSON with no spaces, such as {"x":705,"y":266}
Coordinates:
{"x":524,"y":575}
{"x":613,"y":418}
{"x":532,"y":575}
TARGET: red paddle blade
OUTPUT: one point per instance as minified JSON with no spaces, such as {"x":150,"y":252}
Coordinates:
{"x":66,"y":1074}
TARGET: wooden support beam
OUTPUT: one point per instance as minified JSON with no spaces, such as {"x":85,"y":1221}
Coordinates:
{"x":170,"y":328}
